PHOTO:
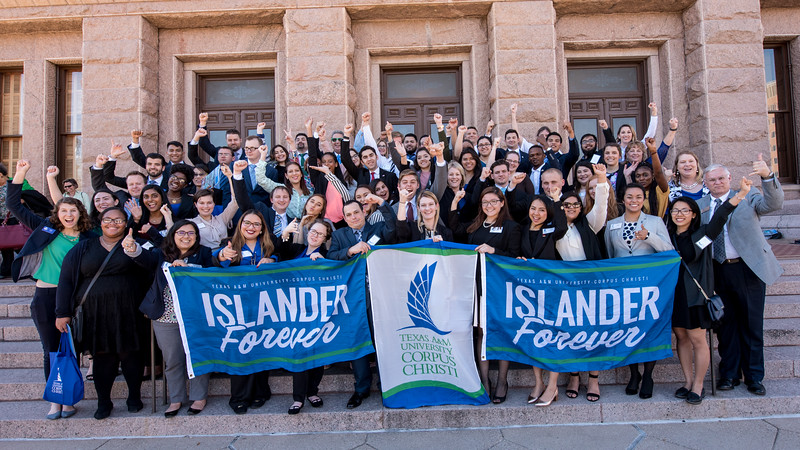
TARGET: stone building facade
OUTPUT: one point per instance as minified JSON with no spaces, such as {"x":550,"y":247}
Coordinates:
{"x":143,"y":64}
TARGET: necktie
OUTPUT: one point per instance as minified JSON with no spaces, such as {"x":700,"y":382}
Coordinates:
{"x":719,"y":241}
{"x":277,"y":229}
{"x":409,"y":212}
{"x":151,"y":182}
{"x":371,"y":176}
{"x":358,"y":235}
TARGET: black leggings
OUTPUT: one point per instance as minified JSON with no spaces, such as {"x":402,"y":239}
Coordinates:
{"x":105,"y":372}
{"x":43,"y":313}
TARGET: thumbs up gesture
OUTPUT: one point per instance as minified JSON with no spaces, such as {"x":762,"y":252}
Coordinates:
{"x":129,"y":244}
{"x":642,"y":234}
{"x":760,"y":167}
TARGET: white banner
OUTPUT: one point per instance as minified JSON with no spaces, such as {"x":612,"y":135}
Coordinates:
{"x":422,"y":308}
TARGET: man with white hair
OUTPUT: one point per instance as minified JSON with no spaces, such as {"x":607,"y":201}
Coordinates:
{"x":743,"y":267}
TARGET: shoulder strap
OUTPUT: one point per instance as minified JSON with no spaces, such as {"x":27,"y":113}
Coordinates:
{"x":702,"y":291}
{"x":99,"y":271}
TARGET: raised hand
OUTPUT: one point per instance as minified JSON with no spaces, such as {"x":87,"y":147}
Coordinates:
{"x":134,"y":208}
{"x":437,"y":118}
{"x":287,"y":136}
{"x":486,"y":173}
{"x":116,"y":150}
{"x":348,"y":130}
{"x":601,"y":172}
{"x":320,"y":126}
{"x":52,"y":171}
{"x":203,"y":117}
{"x":760,"y":167}
{"x":744,"y":186}
{"x":653,"y":109}
{"x":135,"y":135}
{"x":324,"y":169}
{"x":365,"y":119}
{"x":651,"y":146}
{"x":513,"y":109}
{"x":404,"y":195}
{"x":260,"y":127}
{"x":642,"y":234}
{"x":388,"y":128}
{"x":293,"y":227}
{"x":129,"y":243}
{"x":603,"y":124}
{"x":100,"y":161}
{"x":518,"y":178}
{"x":673,"y":124}
{"x":372,"y":199}
{"x":239,"y":166}
{"x":200,"y":133}
{"x":462,"y":129}
{"x":453,"y":122}
{"x":264,"y":150}
{"x":489,"y":127}
{"x":226,"y":171}
{"x":437,"y":150}
{"x":568,"y":127}
{"x":630,"y":169}
{"x":166,"y":211}
{"x":23,"y":165}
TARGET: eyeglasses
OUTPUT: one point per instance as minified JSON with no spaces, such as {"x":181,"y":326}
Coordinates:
{"x":337,"y":139}
{"x":484,"y":145}
{"x":181,"y":233}
{"x":572,"y":205}
{"x":197,"y":175}
{"x":109,"y":220}
{"x":67,"y":186}
{"x":248,"y":224}
{"x":177,"y":179}
{"x":588,"y":140}
{"x":316,"y":233}
{"x":681,"y":212}
{"x":251,"y":149}
{"x":490,"y":202}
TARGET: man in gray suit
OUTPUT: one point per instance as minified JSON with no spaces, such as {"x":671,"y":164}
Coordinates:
{"x":743,"y":267}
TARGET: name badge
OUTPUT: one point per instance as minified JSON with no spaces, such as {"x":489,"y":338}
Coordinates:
{"x":373,"y":240}
{"x":496,"y":230}
{"x":615,"y":226}
{"x":247,"y":254}
{"x":48,"y":230}
{"x":548,"y":230}
{"x":595,"y":159}
{"x":201,"y":225}
{"x":703,"y":242}
{"x":147,"y":245}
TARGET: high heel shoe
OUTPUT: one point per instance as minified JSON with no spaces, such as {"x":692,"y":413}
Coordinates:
{"x":647,"y":388}
{"x":500,"y":399}
{"x":547,"y":403}
{"x":532,"y":399}
{"x":633,"y":385}
{"x":572,"y":393}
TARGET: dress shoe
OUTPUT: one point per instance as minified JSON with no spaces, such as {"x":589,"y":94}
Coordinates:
{"x":356,"y":399}
{"x":726,"y":384}
{"x":102,"y":413}
{"x":258,"y":403}
{"x":757,"y":388}
{"x":547,"y":403}
{"x":694,"y":399}
{"x":295,"y":408}
{"x":135,"y":407}
{"x":240,"y":408}
{"x":682,"y":393}
{"x":315,"y":401}
{"x":54,"y":416}
{"x":192,"y":411}
{"x":633,"y":384}
{"x":70,"y":413}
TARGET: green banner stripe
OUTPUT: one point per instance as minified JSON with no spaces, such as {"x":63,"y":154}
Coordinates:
{"x":579,"y":360}
{"x":590,"y":269}
{"x":431,"y":383}
{"x":430,"y":251}
{"x":180,"y":273}
{"x":277,"y":359}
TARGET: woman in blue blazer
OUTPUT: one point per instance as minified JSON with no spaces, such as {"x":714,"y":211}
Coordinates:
{"x":41,"y":258}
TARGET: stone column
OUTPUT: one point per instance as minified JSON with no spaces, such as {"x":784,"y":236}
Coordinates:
{"x":725,"y":83}
{"x":522,"y":60}
{"x":319,"y":67}
{"x":120,"y":84}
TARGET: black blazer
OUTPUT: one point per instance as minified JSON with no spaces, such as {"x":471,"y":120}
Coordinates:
{"x":409,"y":232}
{"x":30,"y":257}
{"x":289,"y":250}
{"x":541,"y":244}
{"x":153,"y":304}
{"x":344,"y":238}
{"x":246,"y":203}
{"x":505,"y":242}
{"x":361,"y":174}
{"x":194,"y":157}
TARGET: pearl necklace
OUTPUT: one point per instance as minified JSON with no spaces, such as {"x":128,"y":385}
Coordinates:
{"x":687,"y":187}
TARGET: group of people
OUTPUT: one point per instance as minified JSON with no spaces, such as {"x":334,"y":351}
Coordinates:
{"x":338,"y":194}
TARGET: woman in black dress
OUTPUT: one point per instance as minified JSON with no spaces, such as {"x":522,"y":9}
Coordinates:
{"x":112,"y":325}
{"x":493,"y":231}
{"x":690,"y":317}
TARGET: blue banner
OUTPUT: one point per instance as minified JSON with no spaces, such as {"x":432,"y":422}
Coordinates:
{"x":295,"y":315}
{"x":577,"y":316}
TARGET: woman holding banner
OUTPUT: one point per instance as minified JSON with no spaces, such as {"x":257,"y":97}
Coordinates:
{"x":633,"y":234}
{"x":181,"y":248}
{"x":690,"y":318}
{"x":428,"y":224}
{"x":546,"y":224}
{"x":305,"y":384}
{"x":494,"y":232}
{"x":580,"y":243}
{"x":251,"y":244}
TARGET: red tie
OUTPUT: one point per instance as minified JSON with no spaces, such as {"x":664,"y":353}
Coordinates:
{"x":409,"y":213}
{"x":372,"y":176}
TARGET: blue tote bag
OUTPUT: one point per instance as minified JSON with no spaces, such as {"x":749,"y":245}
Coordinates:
{"x":65,"y":384}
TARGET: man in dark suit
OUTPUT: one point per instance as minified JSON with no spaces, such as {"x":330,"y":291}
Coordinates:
{"x":232,"y":137}
{"x":369,"y":169}
{"x":174,"y":152}
{"x":246,"y":202}
{"x":743,"y":267}
{"x":253,"y":155}
{"x":356,"y":238}
{"x":540,"y":163}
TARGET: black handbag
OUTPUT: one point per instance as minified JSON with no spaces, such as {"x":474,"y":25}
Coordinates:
{"x":77,"y":317}
{"x":716,"y":309}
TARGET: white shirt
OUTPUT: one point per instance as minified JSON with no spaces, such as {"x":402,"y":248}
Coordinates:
{"x":730,"y":250}
{"x":536,"y":175}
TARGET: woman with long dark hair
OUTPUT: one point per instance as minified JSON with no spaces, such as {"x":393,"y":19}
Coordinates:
{"x":690,"y":318}
{"x":251,"y":244}
{"x":42,"y":258}
{"x":112,"y":325}
{"x":181,"y":248}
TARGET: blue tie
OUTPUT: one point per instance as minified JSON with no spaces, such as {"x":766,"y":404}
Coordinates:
{"x":278,"y":228}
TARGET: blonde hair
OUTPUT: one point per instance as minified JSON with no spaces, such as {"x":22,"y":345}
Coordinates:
{"x":420,"y":222}
{"x":456,"y":165}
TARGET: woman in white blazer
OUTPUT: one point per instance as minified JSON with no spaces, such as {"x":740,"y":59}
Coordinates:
{"x":633,"y":234}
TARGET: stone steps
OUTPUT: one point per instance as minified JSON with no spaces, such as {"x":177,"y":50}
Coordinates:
{"x":25,"y":419}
